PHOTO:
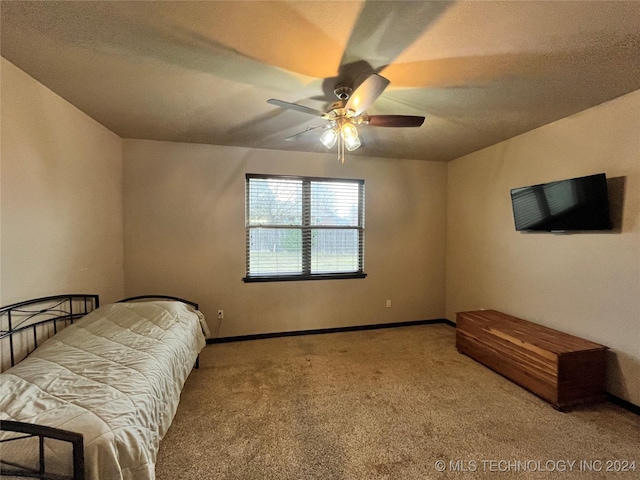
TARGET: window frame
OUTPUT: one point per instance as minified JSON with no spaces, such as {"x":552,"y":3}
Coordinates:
{"x":305,"y":228}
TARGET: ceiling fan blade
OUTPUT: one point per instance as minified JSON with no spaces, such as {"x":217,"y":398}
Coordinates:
{"x":295,"y":106}
{"x":295,"y":135}
{"x":364,"y":96}
{"x":395,"y":121}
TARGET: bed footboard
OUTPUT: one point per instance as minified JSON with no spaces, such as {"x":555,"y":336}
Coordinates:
{"x":28,"y":430}
{"x":158,"y":297}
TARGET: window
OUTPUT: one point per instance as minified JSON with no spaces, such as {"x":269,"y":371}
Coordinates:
{"x":301,"y":228}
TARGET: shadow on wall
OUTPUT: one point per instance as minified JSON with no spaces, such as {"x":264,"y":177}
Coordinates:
{"x":616,"y":188}
{"x":616,"y":383}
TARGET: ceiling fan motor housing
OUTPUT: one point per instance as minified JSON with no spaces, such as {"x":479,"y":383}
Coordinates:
{"x":343,"y":92}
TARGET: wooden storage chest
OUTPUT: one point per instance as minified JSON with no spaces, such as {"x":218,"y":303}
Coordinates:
{"x":562,"y":369}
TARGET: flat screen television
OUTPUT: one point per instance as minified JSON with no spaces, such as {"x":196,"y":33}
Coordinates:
{"x":575,"y":204}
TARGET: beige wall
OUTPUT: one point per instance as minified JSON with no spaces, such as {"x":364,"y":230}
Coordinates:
{"x":185,"y":235}
{"x":61,"y":196}
{"x":587,"y":284}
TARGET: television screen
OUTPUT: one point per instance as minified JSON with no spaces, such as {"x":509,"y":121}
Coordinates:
{"x":574,"y":204}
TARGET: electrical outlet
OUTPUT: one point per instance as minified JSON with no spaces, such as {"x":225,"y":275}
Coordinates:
{"x":388,"y":303}
{"x":220,"y":314}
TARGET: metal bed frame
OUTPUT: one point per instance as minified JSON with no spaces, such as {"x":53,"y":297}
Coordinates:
{"x":160,"y":297}
{"x":33,"y":322}
{"x":29,"y":430}
{"x":45,"y":317}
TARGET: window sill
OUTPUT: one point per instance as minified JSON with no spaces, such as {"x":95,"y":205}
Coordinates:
{"x":295,"y":278}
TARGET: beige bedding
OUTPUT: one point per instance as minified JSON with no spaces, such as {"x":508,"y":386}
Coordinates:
{"x":115,"y":376}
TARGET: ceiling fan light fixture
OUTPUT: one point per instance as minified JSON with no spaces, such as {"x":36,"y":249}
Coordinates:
{"x":348,"y":131}
{"x":329,"y":138}
{"x":352,"y":143}
{"x":349,"y":134}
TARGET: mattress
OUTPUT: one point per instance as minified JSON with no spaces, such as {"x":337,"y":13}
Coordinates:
{"x":115,"y":376}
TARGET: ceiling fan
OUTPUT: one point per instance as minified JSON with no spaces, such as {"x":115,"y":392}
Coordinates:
{"x":349,"y":111}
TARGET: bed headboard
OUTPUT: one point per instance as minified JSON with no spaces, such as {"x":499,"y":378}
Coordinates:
{"x":25,"y":325}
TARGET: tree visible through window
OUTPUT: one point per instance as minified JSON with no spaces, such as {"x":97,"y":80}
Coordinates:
{"x":301,"y":228}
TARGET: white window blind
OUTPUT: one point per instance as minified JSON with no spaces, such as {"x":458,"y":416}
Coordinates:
{"x":301,"y":228}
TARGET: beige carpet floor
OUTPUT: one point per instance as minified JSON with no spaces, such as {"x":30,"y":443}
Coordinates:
{"x":397,"y":403}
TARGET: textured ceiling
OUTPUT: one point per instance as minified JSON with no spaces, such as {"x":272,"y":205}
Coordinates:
{"x":480,"y":71}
